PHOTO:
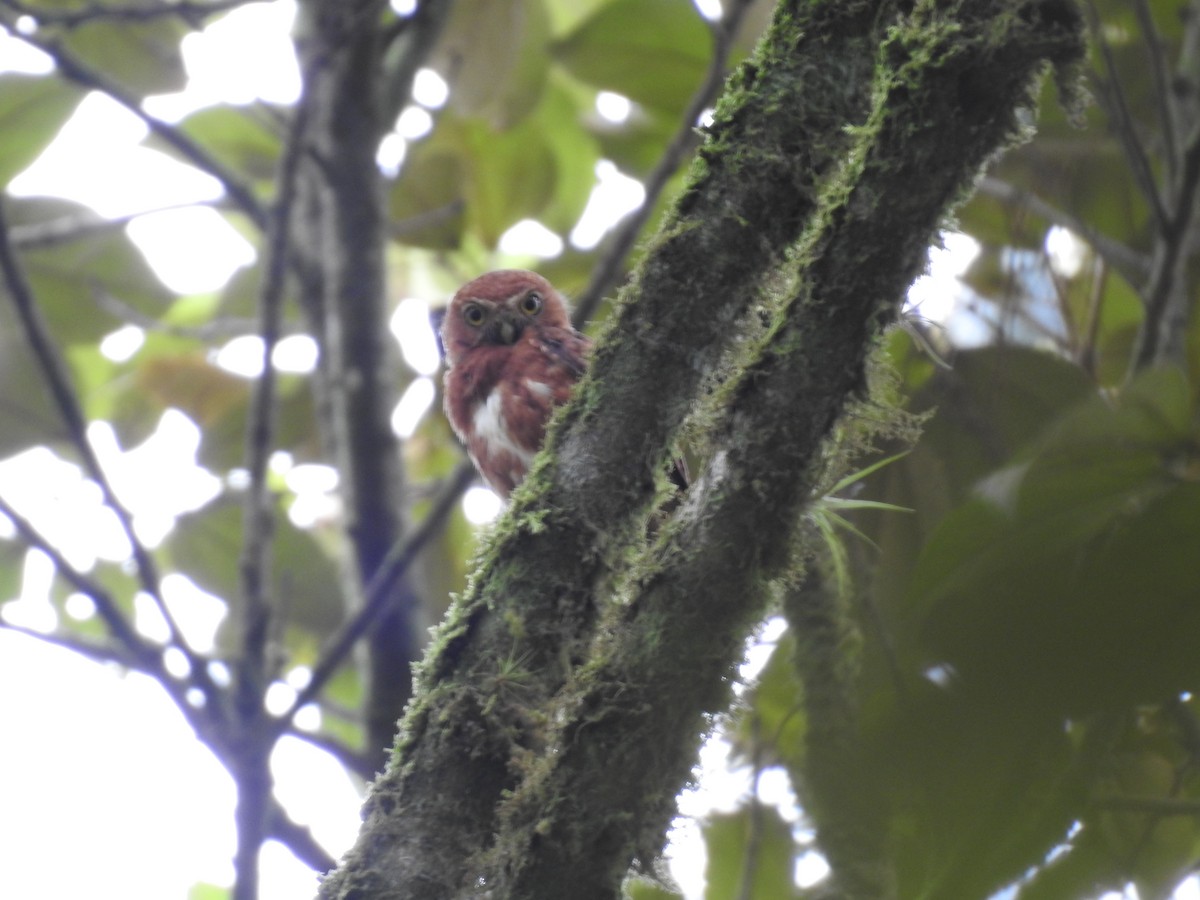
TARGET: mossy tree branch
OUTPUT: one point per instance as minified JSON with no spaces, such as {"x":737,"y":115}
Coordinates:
{"x":832,"y":141}
{"x":533,"y":597}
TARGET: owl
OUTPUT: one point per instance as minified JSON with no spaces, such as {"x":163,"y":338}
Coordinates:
{"x":512,"y":357}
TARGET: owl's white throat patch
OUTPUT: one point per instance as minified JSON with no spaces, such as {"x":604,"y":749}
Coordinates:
{"x":492,"y":429}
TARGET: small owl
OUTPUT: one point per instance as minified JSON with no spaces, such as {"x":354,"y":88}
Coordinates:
{"x":512,"y":357}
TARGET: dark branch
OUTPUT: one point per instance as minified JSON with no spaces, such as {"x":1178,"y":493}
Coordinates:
{"x":100,"y":653}
{"x":1157,"y":53}
{"x":1132,"y":265}
{"x":350,"y":760}
{"x":252,"y":672}
{"x":378,"y":592}
{"x":58,"y":382}
{"x":297,"y":838}
{"x":1113,"y":94}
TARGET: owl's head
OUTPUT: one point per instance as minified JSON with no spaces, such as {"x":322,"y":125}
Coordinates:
{"x":496,"y":308}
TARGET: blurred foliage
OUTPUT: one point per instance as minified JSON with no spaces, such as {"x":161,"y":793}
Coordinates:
{"x":1029,"y":630}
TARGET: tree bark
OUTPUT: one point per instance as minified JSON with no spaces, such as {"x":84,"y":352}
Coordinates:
{"x":355,"y":76}
{"x":553,"y":727}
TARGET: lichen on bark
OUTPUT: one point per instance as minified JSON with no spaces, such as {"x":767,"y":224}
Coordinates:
{"x":829,"y":158}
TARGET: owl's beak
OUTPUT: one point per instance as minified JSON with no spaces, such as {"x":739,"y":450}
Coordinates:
{"x":507,"y":328}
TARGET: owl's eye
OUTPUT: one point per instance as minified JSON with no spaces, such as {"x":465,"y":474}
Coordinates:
{"x":531,"y":303}
{"x":473,"y":314}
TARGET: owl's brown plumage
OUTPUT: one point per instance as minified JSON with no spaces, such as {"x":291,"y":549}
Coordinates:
{"x":512,"y":357}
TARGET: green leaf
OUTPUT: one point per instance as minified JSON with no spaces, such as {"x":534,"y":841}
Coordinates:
{"x":142,"y":57}
{"x":30,"y":416}
{"x":574,"y":152}
{"x":32,"y":110}
{"x":977,"y":791}
{"x":427,"y":202}
{"x":206,"y":545}
{"x":653,"y":51}
{"x":751,"y":848}
{"x":84,"y":286}
{"x":502,"y":177}
{"x":496,"y":79}
{"x":1076,"y":563}
{"x":12,"y":570}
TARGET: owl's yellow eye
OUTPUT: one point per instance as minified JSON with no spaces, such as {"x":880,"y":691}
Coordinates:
{"x":473,"y":314}
{"x":531,"y":303}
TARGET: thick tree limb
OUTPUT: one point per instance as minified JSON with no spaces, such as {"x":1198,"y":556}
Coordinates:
{"x":580,"y":811}
{"x":780,"y":128}
{"x":596,"y":798}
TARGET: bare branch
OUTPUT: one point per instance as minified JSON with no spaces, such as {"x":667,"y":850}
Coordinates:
{"x":138,"y":652}
{"x":250,"y":766}
{"x":58,"y":382}
{"x":1162,"y":83}
{"x":350,"y":759}
{"x":1133,"y":266}
{"x":66,"y":229}
{"x":101,"y":653}
{"x":1117,"y":105}
{"x":297,"y":838}
{"x":1166,"y":296}
{"x":379,"y":590}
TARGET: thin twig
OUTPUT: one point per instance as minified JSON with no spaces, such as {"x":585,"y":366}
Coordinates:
{"x":139,"y":653}
{"x":1162,"y":83}
{"x":259,"y":433}
{"x":1164,"y":290}
{"x":101,"y":653}
{"x":216,"y":329}
{"x":1129,"y":263}
{"x":350,"y":759}
{"x":58,"y":382}
{"x":751,"y":856}
{"x":65,"y":229}
{"x":78,"y":71}
{"x":607,"y":269}
{"x":1086,"y":353}
{"x":106,"y":606}
{"x":249,"y":763}
{"x":297,"y":838}
{"x":1118,"y":109}
{"x":378,"y":591}
{"x":1158,"y":806}
{"x":428,"y":219}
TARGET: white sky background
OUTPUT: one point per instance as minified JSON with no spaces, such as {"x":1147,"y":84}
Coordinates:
{"x":127,"y":825}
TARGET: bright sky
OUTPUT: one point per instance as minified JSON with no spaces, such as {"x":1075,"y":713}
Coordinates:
{"x":91,"y":770}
